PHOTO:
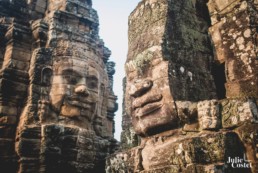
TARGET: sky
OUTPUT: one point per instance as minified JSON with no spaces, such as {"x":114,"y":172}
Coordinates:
{"x":113,"y":20}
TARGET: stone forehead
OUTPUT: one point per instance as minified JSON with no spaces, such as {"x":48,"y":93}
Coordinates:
{"x":146,"y":35}
{"x":148,"y":56}
{"x":82,"y":51}
{"x":141,"y":6}
{"x":82,"y":64}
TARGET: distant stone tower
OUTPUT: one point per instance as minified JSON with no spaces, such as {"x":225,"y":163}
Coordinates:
{"x":191,"y":88}
{"x":57,"y":103}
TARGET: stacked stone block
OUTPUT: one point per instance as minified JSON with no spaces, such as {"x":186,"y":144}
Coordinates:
{"x":212,"y":71}
{"x":36,"y":38}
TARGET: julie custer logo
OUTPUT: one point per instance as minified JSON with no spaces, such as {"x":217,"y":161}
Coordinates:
{"x":238,"y":162}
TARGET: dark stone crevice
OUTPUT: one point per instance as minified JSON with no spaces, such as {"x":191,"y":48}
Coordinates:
{"x":218,"y":73}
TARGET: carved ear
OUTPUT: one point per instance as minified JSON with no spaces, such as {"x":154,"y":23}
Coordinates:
{"x":46,"y":76}
{"x":102,"y":89}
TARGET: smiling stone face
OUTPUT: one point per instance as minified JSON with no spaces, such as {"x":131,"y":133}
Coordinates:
{"x":78,"y":89}
{"x":148,"y":96}
{"x":56,"y":88}
{"x":75,"y":90}
{"x":168,"y":61}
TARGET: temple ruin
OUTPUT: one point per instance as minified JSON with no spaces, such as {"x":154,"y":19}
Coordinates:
{"x":190,"y":91}
{"x":57,"y":102}
{"x":190,"y":101}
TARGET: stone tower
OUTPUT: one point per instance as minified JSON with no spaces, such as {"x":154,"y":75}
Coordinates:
{"x":191,"y":88}
{"x":57,"y":103}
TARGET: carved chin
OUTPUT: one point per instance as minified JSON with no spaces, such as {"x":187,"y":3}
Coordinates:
{"x":160,"y":120}
{"x":69,"y":111}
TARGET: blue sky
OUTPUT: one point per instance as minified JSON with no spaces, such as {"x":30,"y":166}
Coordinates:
{"x":113,"y":19}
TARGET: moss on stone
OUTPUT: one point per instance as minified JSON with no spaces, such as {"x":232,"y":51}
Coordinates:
{"x":142,"y":61}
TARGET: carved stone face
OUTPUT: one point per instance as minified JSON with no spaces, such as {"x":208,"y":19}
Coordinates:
{"x":75,"y":90}
{"x":148,"y":97}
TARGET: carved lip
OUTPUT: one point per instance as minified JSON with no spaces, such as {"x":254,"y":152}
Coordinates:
{"x":147,"y":109}
{"x":83,"y":103}
{"x":147,"y":104}
{"x":146,"y":99}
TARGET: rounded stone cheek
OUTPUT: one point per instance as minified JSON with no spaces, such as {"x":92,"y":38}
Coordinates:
{"x":58,"y":94}
{"x":70,"y":111}
{"x":167,"y":109}
{"x":56,"y":102}
{"x":136,"y":124}
{"x":94,"y":97}
{"x":167,"y":95}
{"x":61,"y":90}
{"x":168,"y":102}
{"x":163,"y":87}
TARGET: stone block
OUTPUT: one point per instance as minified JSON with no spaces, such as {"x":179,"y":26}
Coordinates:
{"x":7,"y":147}
{"x":187,"y":111}
{"x":11,"y":88}
{"x":7,"y":131}
{"x":236,"y":112}
{"x":33,"y":144}
{"x":15,"y":75}
{"x":29,"y":165}
{"x":31,"y":133}
{"x":165,"y":169}
{"x":8,"y":163}
{"x":88,"y":156}
{"x":242,"y":88}
{"x":69,"y":141}
{"x":218,"y":9}
{"x":67,"y":154}
{"x":209,"y":115}
{"x":218,"y":167}
{"x":40,"y":9}
{"x":17,"y":53}
{"x":127,"y":161}
{"x":85,"y":143}
{"x":216,"y":35}
{"x":197,"y":152}
{"x":191,"y":127}
{"x":83,"y":11}
{"x":216,"y":6}
{"x":8,"y":120}
{"x":40,"y":6}
{"x":7,"y":111}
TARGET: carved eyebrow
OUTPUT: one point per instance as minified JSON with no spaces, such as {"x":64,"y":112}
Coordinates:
{"x":70,"y":72}
{"x":92,"y":77}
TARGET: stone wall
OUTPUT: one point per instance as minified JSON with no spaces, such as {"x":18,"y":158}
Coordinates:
{"x":57,"y":103}
{"x":234,"y":36}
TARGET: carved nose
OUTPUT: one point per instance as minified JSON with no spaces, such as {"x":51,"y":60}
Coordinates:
{"x":82,"y":89}
{"x":140,"y":87}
